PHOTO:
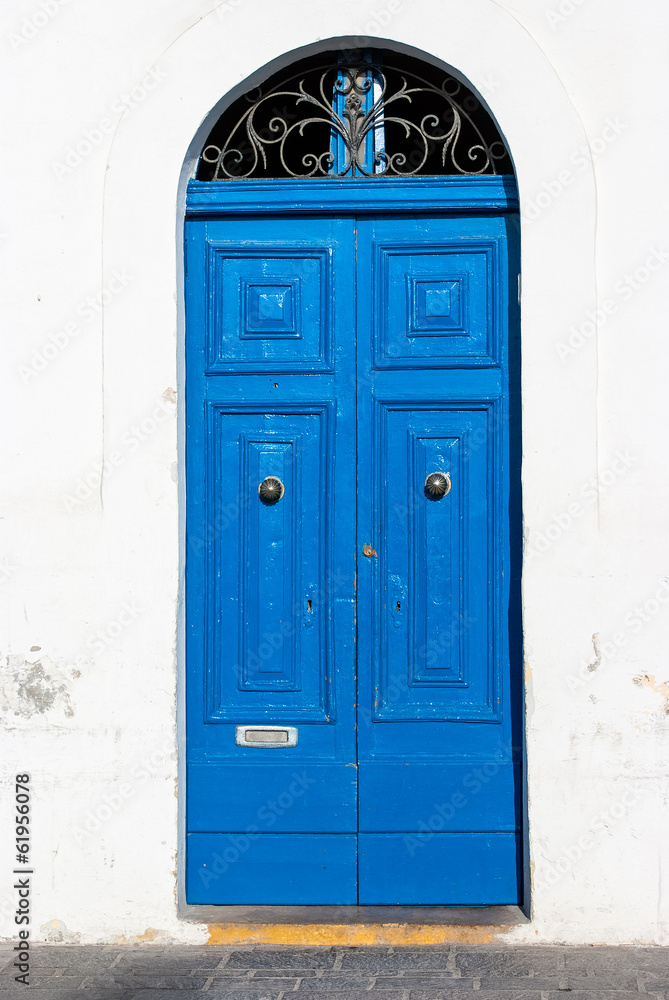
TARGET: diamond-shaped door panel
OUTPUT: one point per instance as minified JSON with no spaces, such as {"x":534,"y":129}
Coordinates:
{"x":434,"y":307}
{"x":268,"y":310}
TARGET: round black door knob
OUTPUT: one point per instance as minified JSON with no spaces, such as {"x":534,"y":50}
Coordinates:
{"x":271,"y":490}
{"x":437,"y":485}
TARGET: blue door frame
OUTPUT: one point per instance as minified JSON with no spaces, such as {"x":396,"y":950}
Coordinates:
{"x":351,"y":338}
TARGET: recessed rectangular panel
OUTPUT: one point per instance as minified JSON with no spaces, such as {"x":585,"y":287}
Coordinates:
{"x":268,"y":562}
{"x":435,"y":599}
{"x":271,"y":541}
{"x":438,"y":869}
{"x":433,"y":305}
{"x":271,"y":869}
{"x":439,"y":797}
{"x":269,"y":310}
{"x":436,"y":607}
{"x":281,"y":795}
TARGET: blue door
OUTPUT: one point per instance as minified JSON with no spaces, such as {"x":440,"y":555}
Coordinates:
{"x":351,"y":578}
{"x":438,"y":783}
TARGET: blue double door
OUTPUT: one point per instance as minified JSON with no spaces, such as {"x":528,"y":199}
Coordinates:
{"x":352,"y":708}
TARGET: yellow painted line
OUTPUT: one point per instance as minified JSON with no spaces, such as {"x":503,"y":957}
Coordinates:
{"x":353,"y":934}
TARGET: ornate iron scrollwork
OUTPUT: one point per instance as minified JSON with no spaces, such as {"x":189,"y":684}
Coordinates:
{"x":370,"y":117}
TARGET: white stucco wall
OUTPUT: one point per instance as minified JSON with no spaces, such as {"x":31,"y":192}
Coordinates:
{"x":103,"y":104}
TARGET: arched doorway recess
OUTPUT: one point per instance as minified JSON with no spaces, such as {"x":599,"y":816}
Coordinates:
{"x":353,"y":512}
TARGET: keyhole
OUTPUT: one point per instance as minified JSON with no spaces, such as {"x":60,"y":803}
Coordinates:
{"x":397,"y":606}
{"x":308,"y":604}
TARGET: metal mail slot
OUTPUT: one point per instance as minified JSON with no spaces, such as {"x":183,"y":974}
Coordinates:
{"x":266,"y":736}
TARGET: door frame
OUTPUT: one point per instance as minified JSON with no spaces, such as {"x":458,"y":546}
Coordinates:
{"x":359,"y":196}
{"x":497,"y":194}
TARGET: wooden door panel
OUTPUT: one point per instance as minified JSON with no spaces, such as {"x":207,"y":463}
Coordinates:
{"x":448,"y":796}
{"x":270,"y":585}
{"x":433,"y":625}
{"x":270,"y":307}
{"x":475,"y":869}
{"x":434,"y":302}
{"x":265,"y":869}
{"x":270,"y":638}
{"x":284,"y":798}
{"x":437,"y":762}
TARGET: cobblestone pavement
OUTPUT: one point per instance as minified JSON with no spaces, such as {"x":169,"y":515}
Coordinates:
{"x":261,"y":973}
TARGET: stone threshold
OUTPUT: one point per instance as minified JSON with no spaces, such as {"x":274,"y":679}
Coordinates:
{"x":354,"y":925}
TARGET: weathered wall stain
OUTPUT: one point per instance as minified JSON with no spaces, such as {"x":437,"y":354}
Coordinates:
{"x":55,"y":932}
{"x":648,"y":680}
{"x":29,"y":688}
{"x":150,"y":936}
{"x":598,"y":652}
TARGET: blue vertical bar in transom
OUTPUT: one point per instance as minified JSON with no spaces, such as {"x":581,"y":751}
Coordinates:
{"x":370,"y":94}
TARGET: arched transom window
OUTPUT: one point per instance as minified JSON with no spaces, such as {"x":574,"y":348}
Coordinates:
{"x":369,"y":113}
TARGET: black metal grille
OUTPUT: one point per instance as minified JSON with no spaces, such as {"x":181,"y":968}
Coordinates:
{"x":372,"y":113}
